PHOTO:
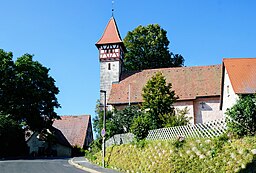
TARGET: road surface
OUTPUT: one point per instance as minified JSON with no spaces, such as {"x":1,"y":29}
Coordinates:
{"x":38,"y":166}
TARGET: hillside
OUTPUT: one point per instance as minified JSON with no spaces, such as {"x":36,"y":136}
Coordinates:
{"x":201,"y":155}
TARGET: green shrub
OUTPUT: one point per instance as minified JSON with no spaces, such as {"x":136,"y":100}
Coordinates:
{"x":242,"y":116}
{"x":12,"y":138}
{"x":94,"y":148}
{"x":219,"y":142}
{"x":179,"y":142}
{"x":140,"y":127}
{"x":177,"y":118}
{"x":194,"y":156}
{"x":140,"y":143}
{"x":78,"y":151}
{"x":90,"y":155}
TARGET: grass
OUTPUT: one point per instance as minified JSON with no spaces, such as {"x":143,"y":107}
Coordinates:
{"x":200,"y":155}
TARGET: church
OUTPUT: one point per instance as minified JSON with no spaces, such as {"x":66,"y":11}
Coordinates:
{"x":199,"y":88}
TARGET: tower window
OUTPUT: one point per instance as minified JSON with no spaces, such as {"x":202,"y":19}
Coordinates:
{"x":109,"y":66}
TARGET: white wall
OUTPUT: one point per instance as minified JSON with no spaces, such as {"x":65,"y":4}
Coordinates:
{"x":207,"y":109}
{"x":201,"y":110}
{"x":229,"y":96}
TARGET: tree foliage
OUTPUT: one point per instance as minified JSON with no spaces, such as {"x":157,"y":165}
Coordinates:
{"x":117,"y":121}
{"x":27,"y":91}
{"x":242,"y":116}
{"x":124,"y":118}
{"x":158,"y":98}
{"x":147,"y":48}
{"x":141,"y":126}
{"x":111,"y":126}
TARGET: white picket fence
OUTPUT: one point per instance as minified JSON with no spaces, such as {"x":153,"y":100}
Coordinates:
{"x":206,"y":130}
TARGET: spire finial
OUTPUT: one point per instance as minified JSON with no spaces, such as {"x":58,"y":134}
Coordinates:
{"x":113,"y":8}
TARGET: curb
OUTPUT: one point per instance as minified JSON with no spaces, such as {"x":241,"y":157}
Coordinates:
{"x":71,"y":162}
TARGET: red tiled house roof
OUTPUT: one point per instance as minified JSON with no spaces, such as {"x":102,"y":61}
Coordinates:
{"x":111,"y":34}
{"x":74,"y":128}
{"x":187,"y":82}
{"x":242,"y":74}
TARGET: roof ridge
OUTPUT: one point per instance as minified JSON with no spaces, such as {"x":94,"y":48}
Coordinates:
{"x":238,"y":58}
{"x":74,"y":115}
{"x":183,"y":67}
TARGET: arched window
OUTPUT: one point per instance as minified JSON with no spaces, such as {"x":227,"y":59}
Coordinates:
{"x":109,"y":66}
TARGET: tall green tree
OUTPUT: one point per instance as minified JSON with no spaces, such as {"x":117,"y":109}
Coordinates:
{"x":27,"y":91}
{"x":147,"y":48}
{"x":158,"y":98}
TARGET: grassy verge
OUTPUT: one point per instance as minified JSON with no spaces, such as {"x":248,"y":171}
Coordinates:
{"x":201,"y":155}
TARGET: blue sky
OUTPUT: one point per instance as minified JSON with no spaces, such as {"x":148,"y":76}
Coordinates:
{"x":62,"y":36}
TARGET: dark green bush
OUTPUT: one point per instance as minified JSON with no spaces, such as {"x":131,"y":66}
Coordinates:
{"x":12,"y":138}
{"x":242,"y":116}
{"x":140,"y":127}
{"x":78,"y":151}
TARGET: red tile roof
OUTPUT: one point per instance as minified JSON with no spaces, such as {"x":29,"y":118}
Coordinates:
{"x":242,"y":74}
{"x":111,"y":34}
{"x":188,"y":83}
{"x":74,"y":128}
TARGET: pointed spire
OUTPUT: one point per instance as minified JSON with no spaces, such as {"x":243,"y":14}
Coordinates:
{"x":111,"y":34}
{"x":112,"y":8}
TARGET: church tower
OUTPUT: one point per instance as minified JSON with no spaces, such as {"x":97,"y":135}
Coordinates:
{"x":111,"y":52}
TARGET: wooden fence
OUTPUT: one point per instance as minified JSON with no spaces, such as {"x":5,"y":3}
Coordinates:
{"x":206,"y":130}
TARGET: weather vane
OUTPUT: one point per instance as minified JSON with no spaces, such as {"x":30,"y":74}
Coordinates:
{"x":112,"y":8}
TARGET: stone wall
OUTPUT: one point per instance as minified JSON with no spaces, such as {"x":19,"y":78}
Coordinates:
{"x":109,"y":73}
{"x":120,"y":139}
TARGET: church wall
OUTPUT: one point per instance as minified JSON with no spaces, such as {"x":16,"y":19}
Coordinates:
{"x":207,"y":109}
{"x":200,"y":110}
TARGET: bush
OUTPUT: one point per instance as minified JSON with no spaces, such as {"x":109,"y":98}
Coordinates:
{"x":140,"y":127}
{"x":177,"y":118}
{"x":94,"y":148}
{"x":78,"y":151}
{"x":190,"y":156}
{"x":12,"y":138}
{"x":242,"y":116}
{"x":179,"y":142}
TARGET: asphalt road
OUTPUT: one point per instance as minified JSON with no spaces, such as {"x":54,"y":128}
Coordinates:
{"x":38,"y":166}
